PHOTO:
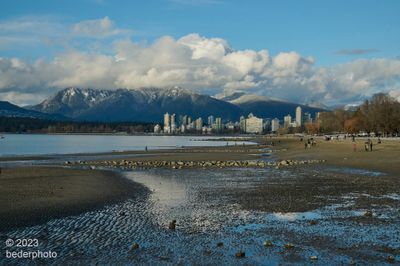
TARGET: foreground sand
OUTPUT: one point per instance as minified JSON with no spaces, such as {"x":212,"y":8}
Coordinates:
{"x":31,"y":195}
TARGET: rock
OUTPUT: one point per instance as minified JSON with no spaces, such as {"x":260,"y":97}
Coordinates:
{"x":314,"y":258}
{"x":289,"y":246}
{"x":313,"y":222}
{"x":172,"y":225}
{"x":368,"y":213}
{"x":220,"y":244}
{"x":390,"y":259}
{"x":268,"y":243}
{"x":134,"y":246}
{"x":240,"y":254}
{"x":122,"y":214}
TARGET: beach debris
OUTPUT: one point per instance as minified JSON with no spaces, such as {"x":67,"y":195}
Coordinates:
{"x":220,"y":244}
{"x":313,"y":222}
{"x":289,"y":246}
{"x":390,"y":259}
{"x":172,"y":225}
{"x":268,"y":243}
{"x":240,"y":254}
{"x":134,"y":246}
{"x":368,"y":213}
{"x":314,"y":258}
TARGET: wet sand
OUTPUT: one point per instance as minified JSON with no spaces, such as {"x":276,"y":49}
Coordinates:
{"x":32,"y":195}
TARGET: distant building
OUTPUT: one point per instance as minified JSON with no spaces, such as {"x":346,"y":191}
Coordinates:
{"x":210,"y":120}
{"x":299,"y":116}
{"x":318,"y":116}
{"x":307,"y":118}
{"x":199,"y":124}
{"x":173,"y":123}
{"x":287,"y":120}
{"x":157,"y":129}
{"x":254,"y":124}
{"x":167,"y":123}
{"x":218,"y":124}
{"x":274,"y":125}
{"x":242,"y":124}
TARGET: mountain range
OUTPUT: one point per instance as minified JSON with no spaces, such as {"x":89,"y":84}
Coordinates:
{"x":11,"y":110}
{"x":150,"y":104}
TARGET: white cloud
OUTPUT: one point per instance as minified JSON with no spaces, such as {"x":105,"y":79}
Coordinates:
{"x":192,"y":61}
{"x":97,"y":28}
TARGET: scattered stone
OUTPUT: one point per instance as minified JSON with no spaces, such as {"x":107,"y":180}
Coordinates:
{"x":368,"y":213}
{"x":289,"y":246}
{"x":135,"y":246}
{"x":314,"y":258}
{"x":240,"y":254}
{"x":390,"y":259}
{"x":313,"y":222}
{"x":220,"y":244}
{"x":268,"y":243}
{"x":172,"y":225}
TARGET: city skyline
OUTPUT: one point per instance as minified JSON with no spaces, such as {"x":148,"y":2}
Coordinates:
{"x":249,"y":124}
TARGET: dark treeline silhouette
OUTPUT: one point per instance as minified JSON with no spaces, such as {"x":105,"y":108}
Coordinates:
{"x":379,"y":115}
{"x":32,"y":125}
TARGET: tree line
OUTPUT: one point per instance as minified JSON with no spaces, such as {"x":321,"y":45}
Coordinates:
{"x":379,"y":115}
{"x":33,"y":125}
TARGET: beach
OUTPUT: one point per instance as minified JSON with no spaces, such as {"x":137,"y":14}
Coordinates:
{"x":327,"y":202}
{"x":33,"y":195}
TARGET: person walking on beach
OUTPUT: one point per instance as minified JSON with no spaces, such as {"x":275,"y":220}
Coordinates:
{"x":370,"y":146}
{"x":366,"y":146}
{"x":354,"y":147}
{"x":145,"y":149}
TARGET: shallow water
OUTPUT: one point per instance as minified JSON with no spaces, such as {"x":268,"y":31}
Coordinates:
{"x":43,"y":144}
{"x":205,"y":216}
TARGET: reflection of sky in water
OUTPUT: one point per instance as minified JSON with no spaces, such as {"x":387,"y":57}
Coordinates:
{"x":356,"y":171}
{"x":35,"y":144}
{"x":292,"y":216}
{"x":205,"y":218}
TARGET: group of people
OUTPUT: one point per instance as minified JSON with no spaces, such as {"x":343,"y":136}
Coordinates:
{"x":309,"y":143}
{"x":368,"y":145}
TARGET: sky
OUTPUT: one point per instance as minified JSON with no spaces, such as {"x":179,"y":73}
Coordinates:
{"x":333,"y":52}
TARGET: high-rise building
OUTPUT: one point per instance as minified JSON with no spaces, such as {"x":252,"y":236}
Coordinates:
{"x":274,"y":125}
{"x":167,"y":123}
{"x":242,"y":124}
{"x":173,"y":123}
{"x":218,"y":124}
{"x":210,"y":120}
{"x":199,"y":124}
{"x":287,"y":120}
{"x":254,"y":124}
{"x":299,"y":116}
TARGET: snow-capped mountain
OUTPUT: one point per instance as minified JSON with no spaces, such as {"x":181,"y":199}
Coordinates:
{"x":149,"y":105}
{"x":263,"y":106}
{"x":143,"y":104}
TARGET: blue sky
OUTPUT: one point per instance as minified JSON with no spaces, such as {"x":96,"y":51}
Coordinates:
{"x":332,"y":33}
{"x":313,"y":28}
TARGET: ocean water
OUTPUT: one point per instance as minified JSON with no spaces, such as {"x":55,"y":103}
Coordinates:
{"x":40,"y":144}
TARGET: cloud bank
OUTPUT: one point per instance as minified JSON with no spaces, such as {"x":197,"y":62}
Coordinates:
{"x":192,"y":61}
